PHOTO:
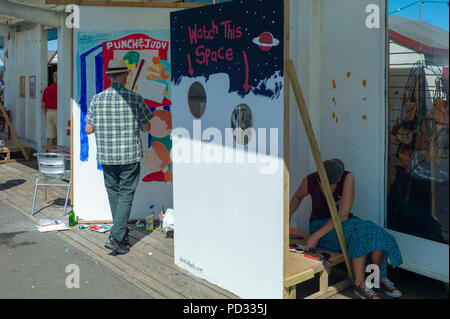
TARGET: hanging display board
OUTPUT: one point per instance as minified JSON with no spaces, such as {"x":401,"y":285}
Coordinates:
{"x":228,"y":74}
{"x":142,"y":40}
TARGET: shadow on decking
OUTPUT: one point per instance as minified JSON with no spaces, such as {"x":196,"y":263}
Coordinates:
{"x":150,"y":263}
{"x":11,"y":183}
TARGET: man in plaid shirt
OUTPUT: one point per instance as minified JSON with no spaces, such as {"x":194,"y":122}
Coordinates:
{"x":116,"y":115}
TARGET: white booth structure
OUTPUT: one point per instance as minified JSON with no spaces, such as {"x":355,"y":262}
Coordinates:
{"x":230,"y":226}
{"x":228,"y":148}
{"x":228,"y":86}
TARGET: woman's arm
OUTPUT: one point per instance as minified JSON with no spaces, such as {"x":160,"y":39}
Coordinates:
{"x":348,"y":196}
{"x":296,"y":200}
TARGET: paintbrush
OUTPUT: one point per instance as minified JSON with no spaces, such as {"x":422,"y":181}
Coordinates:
{"x":138,"y":73}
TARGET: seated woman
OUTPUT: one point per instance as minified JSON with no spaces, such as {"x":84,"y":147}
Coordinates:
{"x":364,"y":238}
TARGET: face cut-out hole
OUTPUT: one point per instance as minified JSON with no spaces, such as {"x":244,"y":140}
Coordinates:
{"x":242,"y":124}
{"x":197,"y":100}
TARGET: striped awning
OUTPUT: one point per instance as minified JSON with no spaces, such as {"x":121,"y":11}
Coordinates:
{"x":419,"y":35}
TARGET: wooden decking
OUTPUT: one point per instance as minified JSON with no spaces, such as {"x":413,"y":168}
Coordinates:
{"x":12,"y":152}
{"x":149,"y":265}
{"x":302,"y":269}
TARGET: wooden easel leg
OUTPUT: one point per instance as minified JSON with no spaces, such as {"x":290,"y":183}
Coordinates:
{"x":11,"y":128}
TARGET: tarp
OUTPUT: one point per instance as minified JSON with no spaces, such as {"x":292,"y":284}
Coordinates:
{"x":52,"y":57}
{"x":52,"y":34}
{"x":419,"y":35}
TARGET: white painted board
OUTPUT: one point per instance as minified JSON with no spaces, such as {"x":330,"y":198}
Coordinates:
{"x":229,"y":215}
{"x":98,"y":25}
{"x":352,"y":108}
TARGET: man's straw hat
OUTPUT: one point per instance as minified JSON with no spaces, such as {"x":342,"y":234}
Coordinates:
{"x":117,"y":66}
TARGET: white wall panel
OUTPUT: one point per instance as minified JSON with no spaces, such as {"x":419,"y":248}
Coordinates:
{"x":352,"y":110}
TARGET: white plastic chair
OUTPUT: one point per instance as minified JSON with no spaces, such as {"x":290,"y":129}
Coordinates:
{"x":52,"y":165}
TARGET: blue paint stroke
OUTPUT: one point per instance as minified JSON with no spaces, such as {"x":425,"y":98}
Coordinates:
{"x":99,"y":73}
{"x":84,"y":141}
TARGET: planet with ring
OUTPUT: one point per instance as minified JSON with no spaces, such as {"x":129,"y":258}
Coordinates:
{"x":266,"y":41}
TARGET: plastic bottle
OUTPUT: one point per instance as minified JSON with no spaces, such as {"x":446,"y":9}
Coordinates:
{"x":71,"y":217}
{"x":149,"y":219}
{"x":161,"y":218}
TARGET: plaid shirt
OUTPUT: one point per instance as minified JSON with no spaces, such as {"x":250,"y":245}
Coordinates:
{"x":117,"y":115}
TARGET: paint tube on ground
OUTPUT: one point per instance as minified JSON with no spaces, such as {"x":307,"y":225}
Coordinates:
{"x":161,"y":218}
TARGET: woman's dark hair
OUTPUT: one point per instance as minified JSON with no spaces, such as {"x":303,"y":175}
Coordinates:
{"x":335,"y":169}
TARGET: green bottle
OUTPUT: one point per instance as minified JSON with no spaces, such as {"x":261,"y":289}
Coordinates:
{"x":72,"y":217}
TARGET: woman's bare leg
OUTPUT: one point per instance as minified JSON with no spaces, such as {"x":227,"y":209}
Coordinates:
{"x":377,"y":257}
{"x":359,"y":269}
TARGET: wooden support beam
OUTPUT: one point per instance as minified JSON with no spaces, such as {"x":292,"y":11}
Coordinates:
{"x":5,"y":115}
{"x":155,"y":4}
{"x":319,"y":163}
{"x":299,"y":278}
{"x":286,"y":143}
{"x":323,"y":281}
{"x":98,"y":221}
{"x":28,"y":13}
{"x":71,"y":120}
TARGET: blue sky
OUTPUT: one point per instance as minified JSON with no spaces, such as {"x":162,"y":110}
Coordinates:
{"x":432,"y":13}
{"x":53,"y":44}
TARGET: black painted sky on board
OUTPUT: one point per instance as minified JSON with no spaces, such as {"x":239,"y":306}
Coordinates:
{"x":254,"y":17}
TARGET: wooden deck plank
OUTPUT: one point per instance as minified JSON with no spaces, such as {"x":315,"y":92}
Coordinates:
{"x":143,"y":247}
{"x":91,"y":245}
{"x":129,"y":273}
{"x":165,"y":273}
{"x":158,"y":276}
{"x":130,"y":264}
{"x":156,"y":239}
{"x":160,"y":291}
{"x":26,"y":189}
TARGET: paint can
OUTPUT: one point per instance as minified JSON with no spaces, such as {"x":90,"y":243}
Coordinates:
{"x":149,"y":223}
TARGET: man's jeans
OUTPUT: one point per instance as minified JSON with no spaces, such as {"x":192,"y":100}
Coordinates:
{"x":121,"y":182}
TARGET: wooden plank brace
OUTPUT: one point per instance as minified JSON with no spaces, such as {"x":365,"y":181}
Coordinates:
{"x":319,"y":163}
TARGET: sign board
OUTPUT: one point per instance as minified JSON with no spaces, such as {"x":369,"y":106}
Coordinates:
{"x":228,"y":88}
{"x":143,"y":42}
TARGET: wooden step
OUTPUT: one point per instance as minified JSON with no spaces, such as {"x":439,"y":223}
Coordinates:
{"x":12,"y":152}
{"x":301,"y":269}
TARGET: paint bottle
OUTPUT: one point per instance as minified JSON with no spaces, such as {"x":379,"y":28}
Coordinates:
{"x":149,"y":219}
{"x":161,"y":218}
{"x":71,"y":217}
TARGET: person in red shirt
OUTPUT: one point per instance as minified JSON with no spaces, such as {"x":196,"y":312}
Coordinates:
{"x":49,"y":106}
